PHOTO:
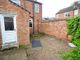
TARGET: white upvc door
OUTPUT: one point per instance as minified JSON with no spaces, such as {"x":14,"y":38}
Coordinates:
{"x":8,"y":29}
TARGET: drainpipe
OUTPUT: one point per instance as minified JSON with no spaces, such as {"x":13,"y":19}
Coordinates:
{"x":33,"y":17}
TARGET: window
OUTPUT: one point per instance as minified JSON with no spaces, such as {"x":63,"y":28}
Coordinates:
{"x":37,"y":8}
{"x":75,"y":12}
{"x":66,"y":14}
{"x":30,"y":23}
{"x":16,"y":1}
{"x":8,"y":23}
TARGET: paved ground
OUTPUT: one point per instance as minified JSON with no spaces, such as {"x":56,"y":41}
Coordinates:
{"x":50,"y":50}
{"x":13,"y":54}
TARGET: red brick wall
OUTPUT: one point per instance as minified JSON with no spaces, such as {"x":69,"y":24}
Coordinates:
{"x":22,"y":20}
{"x":38,"y":19}
{"x":71,"y":13}
{"x":29,"y":7}
{"x":23,"y":30}
{"x":56,"y":28}
{"x":37,"y":16}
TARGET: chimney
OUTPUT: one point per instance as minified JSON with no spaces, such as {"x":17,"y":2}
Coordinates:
{"x":75,"y":3}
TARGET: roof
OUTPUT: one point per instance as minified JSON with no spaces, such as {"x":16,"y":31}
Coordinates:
{"x":34,"y":1}
{"x":24,"y":8}
{"x":70,"y":8}
{"x":20,"y":7}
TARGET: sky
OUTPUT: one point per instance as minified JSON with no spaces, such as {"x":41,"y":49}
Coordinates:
{"x":51,"y":7}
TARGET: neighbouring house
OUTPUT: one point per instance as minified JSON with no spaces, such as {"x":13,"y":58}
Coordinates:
{"x":52,"y":18}
{"x":18,"y":19}
{"x":73,"y":10}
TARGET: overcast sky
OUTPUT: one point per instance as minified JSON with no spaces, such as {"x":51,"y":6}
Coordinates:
{"x":51,"y":7}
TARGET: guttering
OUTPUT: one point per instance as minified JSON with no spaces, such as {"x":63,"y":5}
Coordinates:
{"x":20,"y":6}
{"x":34,"y":1}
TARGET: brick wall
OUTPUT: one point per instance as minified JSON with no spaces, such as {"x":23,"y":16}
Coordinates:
{"x":23,"y":30}
{"x":57,"y":28}
{"x":71,"y":13}
{"x":37,"y":16}
{"x":38,"y":19}
{"x":22,"y":20}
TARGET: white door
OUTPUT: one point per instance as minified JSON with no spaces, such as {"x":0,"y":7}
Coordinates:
{"x":8,"y":29}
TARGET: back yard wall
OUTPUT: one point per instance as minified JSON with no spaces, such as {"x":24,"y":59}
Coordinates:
{"x":57,"y":28}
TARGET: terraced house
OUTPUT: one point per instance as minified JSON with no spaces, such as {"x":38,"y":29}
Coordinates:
{"x":73,"y":10}
{"x":18,"y":19}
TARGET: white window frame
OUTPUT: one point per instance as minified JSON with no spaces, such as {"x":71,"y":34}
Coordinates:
{"x":31,"y":21}
{"x":66,"y":14}
{"x":37,"y":8}
{"x":75,"y":12}
{"x":16,"y":1}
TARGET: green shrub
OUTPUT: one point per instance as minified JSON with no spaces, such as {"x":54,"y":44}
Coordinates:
{"x":22,"y":46}
{"x":74,"y":29}
{"x":72,"y":55}
{"x":76,"y":42}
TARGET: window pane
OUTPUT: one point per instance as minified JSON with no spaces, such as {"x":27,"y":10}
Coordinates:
{"x":30,"y":24}
{"x":16,"y":1}
{"x":66,"y":14}
{"x":8,"y":23}
{"x":37,"y":8}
